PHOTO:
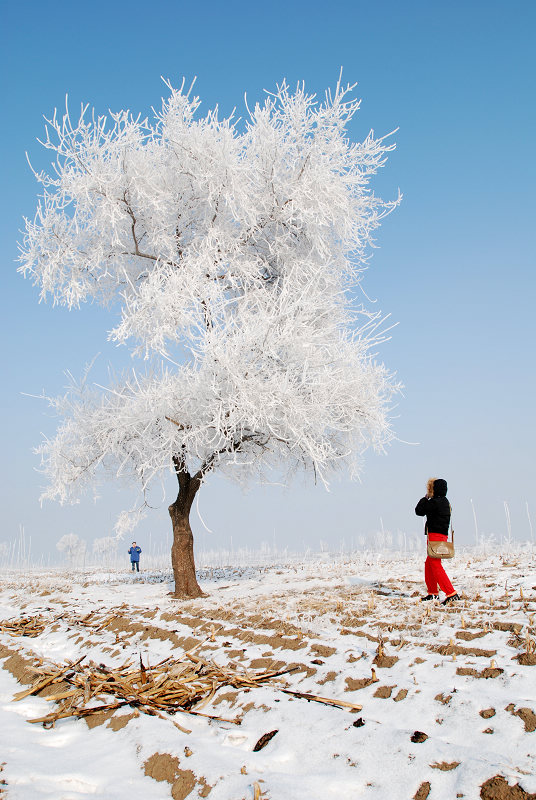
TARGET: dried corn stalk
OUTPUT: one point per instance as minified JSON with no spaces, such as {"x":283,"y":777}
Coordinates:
{"x":169,"y":687}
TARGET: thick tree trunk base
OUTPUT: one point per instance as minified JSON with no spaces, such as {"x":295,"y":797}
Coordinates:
{"x":182,"y":556}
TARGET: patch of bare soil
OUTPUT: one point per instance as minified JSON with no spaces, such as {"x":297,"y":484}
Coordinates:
{"x":384,"y":692}
{"x":120,"y":624}
{"x":400,"y":695}
{"x":510,"y":627}
{"x":384,"y":661}
{"x":497,"y":788}
{"x":418,"y":737}
{"x":445,"y":766}
{"x":229,"y":697}
{"x":353,"y":684}
{"x":267,"y":663}
{"x":117,"y":722}
{"x":441,"y":698}
{"x":322,"y":650}
{"x":329,"y":677}
{"x":164,"y":767}
{"x":489,"y":672}
{"x":526,"y":659}
{"x":468,"y":636}
{"x":487,"y":713}
{"x":298,"y":667}
{"x":449,"y":649}
{"x":354,"y":632}
{"x":236,"y":654}
{"x":526,"y":714}
{"x":21,"y":668}
{"x":423,"y":791}
{"x":98,"y":718}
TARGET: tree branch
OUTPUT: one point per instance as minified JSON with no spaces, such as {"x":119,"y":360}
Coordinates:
{"x":137,"y":251}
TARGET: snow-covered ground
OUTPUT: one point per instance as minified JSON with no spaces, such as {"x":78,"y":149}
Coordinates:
{"x":452,"y":674}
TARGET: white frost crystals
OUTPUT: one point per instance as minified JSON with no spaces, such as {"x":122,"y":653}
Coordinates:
{"x":233,"y":249}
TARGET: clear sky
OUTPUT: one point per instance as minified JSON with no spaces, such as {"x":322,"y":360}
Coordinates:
{"x":454,"y":265}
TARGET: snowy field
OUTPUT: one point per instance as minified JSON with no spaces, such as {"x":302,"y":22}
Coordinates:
{"x":448,"y":695}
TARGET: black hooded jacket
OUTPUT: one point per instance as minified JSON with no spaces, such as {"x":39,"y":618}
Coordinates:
{"x":436,"y":509}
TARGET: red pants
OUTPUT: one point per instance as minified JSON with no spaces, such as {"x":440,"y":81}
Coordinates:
{"x":434,"y":574}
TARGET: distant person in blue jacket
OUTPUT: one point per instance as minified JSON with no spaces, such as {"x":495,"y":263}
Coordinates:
{"x":134,"y":553}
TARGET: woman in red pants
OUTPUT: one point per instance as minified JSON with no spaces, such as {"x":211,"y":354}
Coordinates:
{"x":436,"y":508}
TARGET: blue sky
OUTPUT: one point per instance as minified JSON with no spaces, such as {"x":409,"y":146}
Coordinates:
{"x":454,"y":265}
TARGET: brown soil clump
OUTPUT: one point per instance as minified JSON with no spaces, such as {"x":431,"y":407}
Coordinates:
{"x":423,"y":791}
{"x":497,"y":788}
{"x":267,"y":663}
{"x":298,"y":667}
{"x":120,"y":624}
{"x":449,"y":649}
{"x":486,"y":713}
{"x":329,"y":677}
{"x":236,"y":654}
{"x":400,"y":695}
{"x":509,"y":627}
{"x":442,"y":699}
{"x":98,"y":718}
{"x":276,"y":642}
{"x":418,"y":737}
{"x":468,"y":636}
{"x":353,"y":684}
{"x":385,"y":662}
{"x":163,"y":767}
{"x":230,"y":697}
{"x":384,"y":692}
{"x":445,"y":766}
{"x":117,"y":722}
{"x":526,"y":659}
{"x":21,"y":668}
{"x":526,"y":714}
{"x":489,"y":672}
{"x":322,"y":650}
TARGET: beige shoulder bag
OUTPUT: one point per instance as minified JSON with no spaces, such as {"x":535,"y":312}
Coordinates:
{"x":444,"y":549}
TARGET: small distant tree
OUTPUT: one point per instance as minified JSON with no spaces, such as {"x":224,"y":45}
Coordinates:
{"x":72,"y":546}
{"x":233,"y":251}
{"x":105,"y":548}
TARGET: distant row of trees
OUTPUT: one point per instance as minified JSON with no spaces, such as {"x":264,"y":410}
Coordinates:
{"x":75,"y":549}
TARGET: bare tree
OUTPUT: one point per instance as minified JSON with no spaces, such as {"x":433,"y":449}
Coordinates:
{"x":234,"y":250}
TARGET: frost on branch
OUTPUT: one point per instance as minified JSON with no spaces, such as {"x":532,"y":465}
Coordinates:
{"x":233,"y":250}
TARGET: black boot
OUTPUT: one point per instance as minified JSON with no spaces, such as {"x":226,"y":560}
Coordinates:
{"x":450,"y":599}
{"x":430,"y":597}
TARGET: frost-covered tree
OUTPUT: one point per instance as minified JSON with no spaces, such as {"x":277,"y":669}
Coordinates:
{"x":105,"y":548}
{"x":232,"y":250}
{"x":72,"y":546}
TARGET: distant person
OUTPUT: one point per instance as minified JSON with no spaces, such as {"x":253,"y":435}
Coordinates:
{"x":134,"y":553}
{"x":436,"y":508}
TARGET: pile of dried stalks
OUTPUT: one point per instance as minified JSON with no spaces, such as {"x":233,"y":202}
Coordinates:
{"x":25,"y":626}
{"x":171,"y":686}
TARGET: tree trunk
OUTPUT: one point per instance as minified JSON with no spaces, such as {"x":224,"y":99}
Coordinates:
{"x":182,"y":550}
